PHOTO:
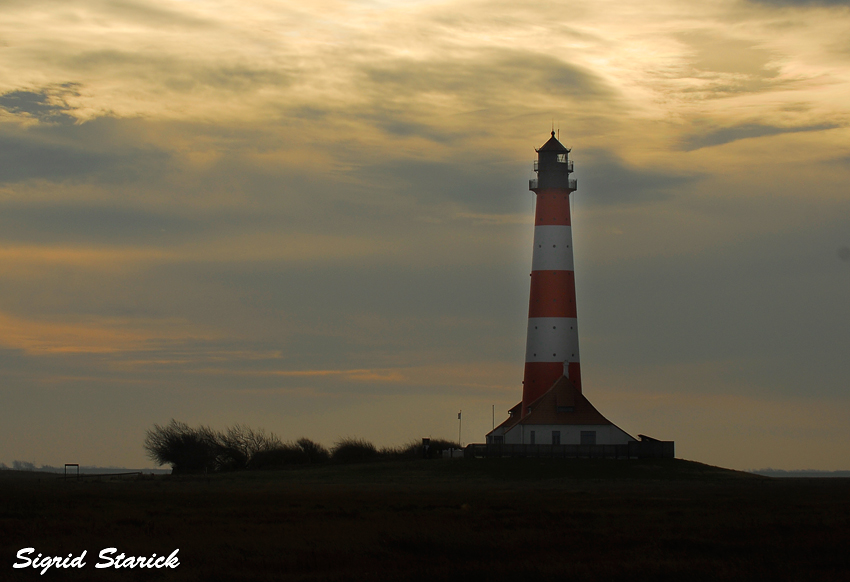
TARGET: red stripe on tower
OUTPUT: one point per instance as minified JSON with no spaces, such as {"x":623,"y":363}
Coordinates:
{"x":552,"y":344}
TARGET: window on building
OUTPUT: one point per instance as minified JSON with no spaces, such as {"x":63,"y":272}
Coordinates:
{"x":499,"y":440}
{"x":566,"y":409}
{"x":531,"y":437}
{"x":588,"y":437}
{"x":562,"y":158}
{"x":556,"y":437}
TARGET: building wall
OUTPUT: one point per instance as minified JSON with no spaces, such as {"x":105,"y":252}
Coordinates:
{"x":606,"y":434}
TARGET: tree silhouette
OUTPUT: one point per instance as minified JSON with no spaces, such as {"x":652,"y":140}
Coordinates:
{"x":194,"y":450}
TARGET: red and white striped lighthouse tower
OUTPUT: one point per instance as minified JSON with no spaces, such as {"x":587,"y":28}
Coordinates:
{"x":552,"y":344}
{"x":553,"y":411}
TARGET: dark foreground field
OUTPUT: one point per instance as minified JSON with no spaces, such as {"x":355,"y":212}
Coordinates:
{"x":492,"y":520}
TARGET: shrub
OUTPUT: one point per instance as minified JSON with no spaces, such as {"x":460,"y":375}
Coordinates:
{"x":193,"y":450}
{"x":239,"y":446}
{"x":410,"y":450}
{"x":186,"y":449}
{"x":279,"y":457}
{"x":302,"y":452}
{"x":315,"y":452}
{"x":351,"y":450}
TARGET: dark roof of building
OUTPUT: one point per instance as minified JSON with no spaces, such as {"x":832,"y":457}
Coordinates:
{"x":563,"y":404}
{"x":553,"y":145}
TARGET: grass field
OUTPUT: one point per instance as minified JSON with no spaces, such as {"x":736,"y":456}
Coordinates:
{"x":498,"y":519}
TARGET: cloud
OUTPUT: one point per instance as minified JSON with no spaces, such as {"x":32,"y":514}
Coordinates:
{"x":100,"y":149}
{"x":395,"y":124}
{"x":709,"y":63}
{"x":802,"y":3}
{"x":719,"y":53}
{"x":477,"y":185}
{"x":126,"y":11}
{"x":154,"y":16}
{"x":725,"y":135}
{"x":174,"y":72}
{"x":506,"y":69}
{"x":461,"y":100}
{"x":19,"y":257}
{"x":471,"y":377}
{"x":86,"y":224}
{"x":501,"y":76}
{"x":605,"y":179}
{"x":47,"y":105}
{"x":91,"y":335}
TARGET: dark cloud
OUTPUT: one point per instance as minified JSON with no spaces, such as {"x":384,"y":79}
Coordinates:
{"x":404,"y":128}
{"x":75,"y":224}
{"x":477,"y":185}
{"x":445,"y":99}
{"x":23,"y":159}
{"x":308,"y":112}
{"x":490,"y":75}
{"x":48,"y":105}
{"x":154,"y":16}
{"x":371,"y":302}
{"x":722,"y":305}
{"x":839,"y":161}
{"x":728,"y":66}
{"x":242,"y":75}
{"x":480,"y":186}
{"x":176,"y":72}
{"x":724,"y":135}
{"x":608,"y":180}
{"x":103,"y":149}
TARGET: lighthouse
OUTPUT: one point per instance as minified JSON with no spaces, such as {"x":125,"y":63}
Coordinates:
{"x":553,"y":410}
{"x":552,"y":341}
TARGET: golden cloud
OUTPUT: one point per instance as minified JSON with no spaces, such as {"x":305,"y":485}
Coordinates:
{"x":97,"y":335}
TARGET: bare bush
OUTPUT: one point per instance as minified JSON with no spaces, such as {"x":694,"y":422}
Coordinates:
{"x":186,"y":449}
{"x":302,"y":452}
{"x":202,"y":449}
{"x":315,"y":452}
{"x":240,"y":445}
{"x":192,"y":450}
{"x":352,"y":450}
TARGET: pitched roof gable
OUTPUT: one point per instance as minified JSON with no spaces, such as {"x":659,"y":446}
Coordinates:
{"x":563,"y":404}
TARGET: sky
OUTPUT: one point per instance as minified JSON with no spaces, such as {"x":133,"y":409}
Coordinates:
{"x":314,"y":219}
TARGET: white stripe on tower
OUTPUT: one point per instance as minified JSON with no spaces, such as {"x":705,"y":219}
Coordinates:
{"x":552,"y":339}
{"x":552,"y":248}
